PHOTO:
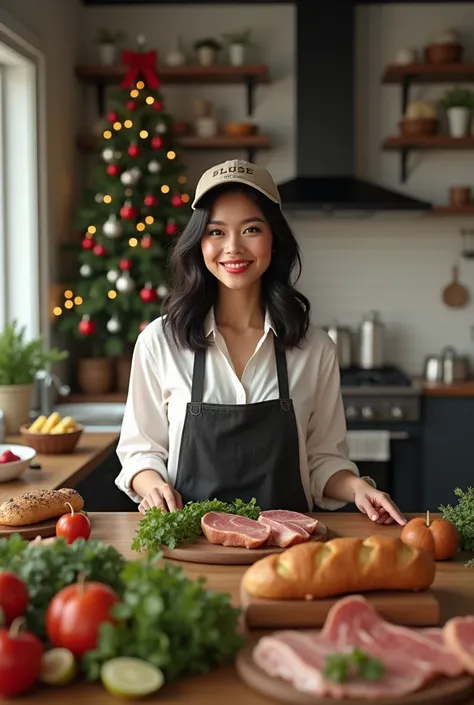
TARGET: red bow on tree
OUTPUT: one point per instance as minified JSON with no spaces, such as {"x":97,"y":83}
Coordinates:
{"x":140,"y":63}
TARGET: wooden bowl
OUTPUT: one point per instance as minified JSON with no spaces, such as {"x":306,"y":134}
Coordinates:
{"x":443,"y":53}
{"x":420,"y":126}
{"x":52,"y":443}
{"x":240,"y":129}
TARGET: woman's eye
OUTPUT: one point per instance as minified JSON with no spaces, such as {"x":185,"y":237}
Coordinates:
{"x":212,"y":233}
{"x":252,"y":229}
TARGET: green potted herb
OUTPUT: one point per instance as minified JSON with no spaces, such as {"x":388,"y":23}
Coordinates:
{"x":458,"y":103}
{"x":20,"y":360}
{"x":107,"y":41}
{"x":206,"y":51}
{"x":238,"y":43}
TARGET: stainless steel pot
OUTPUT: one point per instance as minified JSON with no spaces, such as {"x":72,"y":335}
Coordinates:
{"x":448,"y":367}
{"x":371,"y":341}
{"x":342,"y":338}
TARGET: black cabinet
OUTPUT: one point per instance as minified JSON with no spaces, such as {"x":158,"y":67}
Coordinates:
{"x":100,"y":492}
{"x":448,"y":448}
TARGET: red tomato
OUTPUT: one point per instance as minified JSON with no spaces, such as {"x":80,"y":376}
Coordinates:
{"x":13,"y":596}
{"x":21,"y":656}
{"x":73,"y":526}
{"x":75,"y":614}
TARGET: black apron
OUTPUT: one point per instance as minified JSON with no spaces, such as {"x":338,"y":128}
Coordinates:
{"x":240,"y":451}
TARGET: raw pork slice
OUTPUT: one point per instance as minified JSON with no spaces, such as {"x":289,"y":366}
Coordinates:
{"x":458,"y":633}
{"x":352,"y":621}
{"x":284,"y":516}
{"x":284,"y":535}
{"x":233,"y":530}
{"x":301,"y":660}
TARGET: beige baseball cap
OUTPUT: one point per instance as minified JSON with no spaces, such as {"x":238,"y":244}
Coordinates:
{"x":237,"y":171}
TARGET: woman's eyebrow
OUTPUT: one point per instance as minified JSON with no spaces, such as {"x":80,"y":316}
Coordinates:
{"x":247,"y":220}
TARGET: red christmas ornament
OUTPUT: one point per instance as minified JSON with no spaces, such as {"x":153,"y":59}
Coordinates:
{"x":150,"y":200}
{"x":157,"y":142}
{"x":125,"y":265}
{"x":171,"y":229}
{"x":113,"y":169}
{"x":176,"y":201}
{"x":128,"y":212}
{"x":112,"y":117}
{"x":87,"y":243}
{"x":99,"y":250}
{"x":86,"y":326}
{"x":131,"y":105}
{"x":146,"y":242}
{"x":133,"y":150}
{"x":157,"y":105}
{"x":143,"y":325}
{"x":148,"y":294}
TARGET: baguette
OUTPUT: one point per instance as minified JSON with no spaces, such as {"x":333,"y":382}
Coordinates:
{"x":340,"y":566}
{"x":39,"y":505}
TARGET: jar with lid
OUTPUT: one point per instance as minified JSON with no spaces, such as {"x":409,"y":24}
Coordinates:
{"x":371,"y":341}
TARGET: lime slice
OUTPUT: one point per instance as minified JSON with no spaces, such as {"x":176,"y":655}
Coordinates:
{"x":131,"y":677}
{"x":58,"y":667}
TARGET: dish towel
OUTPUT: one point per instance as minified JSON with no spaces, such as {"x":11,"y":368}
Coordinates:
{"x":369,"y":445}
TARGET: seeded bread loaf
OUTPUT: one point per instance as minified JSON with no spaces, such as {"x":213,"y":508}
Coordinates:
{"x":39,"y":505}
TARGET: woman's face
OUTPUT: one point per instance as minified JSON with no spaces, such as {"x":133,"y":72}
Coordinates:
{"x":237,"y":244}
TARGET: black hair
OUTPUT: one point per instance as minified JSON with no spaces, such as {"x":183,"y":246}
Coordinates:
{"x":194,"y":290}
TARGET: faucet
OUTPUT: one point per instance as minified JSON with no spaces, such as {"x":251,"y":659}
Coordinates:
{"x":43,"y":393}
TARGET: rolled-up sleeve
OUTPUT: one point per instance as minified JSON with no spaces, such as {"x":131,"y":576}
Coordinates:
{"x":143,"y":442}
{"x":326,"y":442}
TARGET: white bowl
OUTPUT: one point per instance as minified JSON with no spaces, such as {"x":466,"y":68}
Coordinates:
{"x":10,"y":471}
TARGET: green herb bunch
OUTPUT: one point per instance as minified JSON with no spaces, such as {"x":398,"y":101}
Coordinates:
{"x":168,"y":620}
{"x":462,"y":516}
{"x":159,"y":528}
{"x":356,"y":664}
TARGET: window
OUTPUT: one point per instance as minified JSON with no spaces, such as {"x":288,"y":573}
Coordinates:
{"x":23,"y":274}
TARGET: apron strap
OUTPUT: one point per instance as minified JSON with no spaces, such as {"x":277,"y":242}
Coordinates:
{"x":282,"y":372}
{"x":197,"y":390}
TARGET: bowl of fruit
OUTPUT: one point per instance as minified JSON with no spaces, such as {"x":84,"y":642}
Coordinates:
{"x":52,"y":435}
{"x":14,"y":460}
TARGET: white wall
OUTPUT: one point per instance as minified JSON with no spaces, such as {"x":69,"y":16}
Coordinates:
{"x":351,"y":265}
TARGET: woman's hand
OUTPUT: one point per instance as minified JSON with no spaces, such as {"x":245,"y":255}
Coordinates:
{"x":377,"y":505}
{"x":162,"y":496}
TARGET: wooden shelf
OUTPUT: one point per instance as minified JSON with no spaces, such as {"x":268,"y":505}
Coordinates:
{"x":220,"y":74}
{"x":428,"y":142}
{"x":428,"y":73}
{"x":453,"y":210}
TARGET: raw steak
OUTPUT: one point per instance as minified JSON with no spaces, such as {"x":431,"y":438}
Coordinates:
{"x":284,"y":535}
{"x":459,"y":636}
{"x":233,"y":530}
{"x":301,"y":660}
{"x":283,"y":516}
{"x":352,"y":621}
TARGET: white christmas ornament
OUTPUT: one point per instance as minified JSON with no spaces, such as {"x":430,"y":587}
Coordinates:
{"x":162,"y":291}
{"x":160,"y":127}
{"x":154,"y":167}
{"x":112,"y":276}
{"x":127,"y":178}
{"x":136,"y":172}
{"x":125,"y":283}
{"x":113,"y":325}
{"x":108,"y":154}
{"x":112,"y":227}
{"x":85,"y":270}
{"x":99,"y":197}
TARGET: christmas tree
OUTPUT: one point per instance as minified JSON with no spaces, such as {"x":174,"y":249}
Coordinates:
{"x":137,"y":204}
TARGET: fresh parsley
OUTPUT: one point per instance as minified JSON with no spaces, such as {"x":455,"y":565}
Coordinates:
{"x":462,"y":516}
{"x":175,"y":623}
{"x":356,"y":664}
{"x":159,"y":528}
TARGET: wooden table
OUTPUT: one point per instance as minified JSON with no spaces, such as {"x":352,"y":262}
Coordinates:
{"x":454,"y":586}
{"x":61,"y":470}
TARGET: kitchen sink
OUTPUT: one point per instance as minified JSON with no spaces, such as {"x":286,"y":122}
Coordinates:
{"x":95,"y":417}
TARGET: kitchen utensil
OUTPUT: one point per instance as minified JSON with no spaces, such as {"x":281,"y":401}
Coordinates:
{"x":45,"y":529}
{"x":10,"y":471}
{"x":342,"y":338}
{"x":456,"y":368}
{"x":433,"y":368}
{"x":455,"y":294}
{"x":371,"y":341}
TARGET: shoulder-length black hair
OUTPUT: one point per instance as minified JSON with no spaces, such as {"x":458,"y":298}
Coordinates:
{"x":194,"y":289}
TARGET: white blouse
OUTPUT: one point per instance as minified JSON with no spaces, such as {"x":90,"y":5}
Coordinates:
{"x":160,"y":388}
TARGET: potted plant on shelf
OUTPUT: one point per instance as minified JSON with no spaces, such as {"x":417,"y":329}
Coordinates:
{"x":458,"y":103}
{"x":206,"y":51}
{"x":238,"y":43}
{"x":20,"y":361}
{"x":107,"y":41}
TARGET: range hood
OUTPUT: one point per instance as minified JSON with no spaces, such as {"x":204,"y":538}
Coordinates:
{"x":325,"y":162}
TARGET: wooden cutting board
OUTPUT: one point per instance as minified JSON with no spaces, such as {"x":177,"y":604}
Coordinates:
{"x":414,"y":609}
{"x":202,"y":551}
{"x":442,"y":691}
{"x":45,"y":529}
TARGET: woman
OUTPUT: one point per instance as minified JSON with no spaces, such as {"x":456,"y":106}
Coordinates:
{"x":233,"y":394}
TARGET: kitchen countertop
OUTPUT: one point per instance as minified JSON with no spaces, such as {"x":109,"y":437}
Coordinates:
{"x":457,"y":389}
{"x":61,"y":470}
{"x":453,"y":586}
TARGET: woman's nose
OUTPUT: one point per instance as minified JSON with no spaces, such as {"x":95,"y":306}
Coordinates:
{"x":233,"y":244}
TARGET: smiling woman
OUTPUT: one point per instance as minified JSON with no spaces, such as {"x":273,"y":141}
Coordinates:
{"x":233,"y":393}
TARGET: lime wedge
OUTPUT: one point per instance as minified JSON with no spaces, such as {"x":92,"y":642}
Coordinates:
{"x":131,"y":677}
{"x":58,"y":667}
